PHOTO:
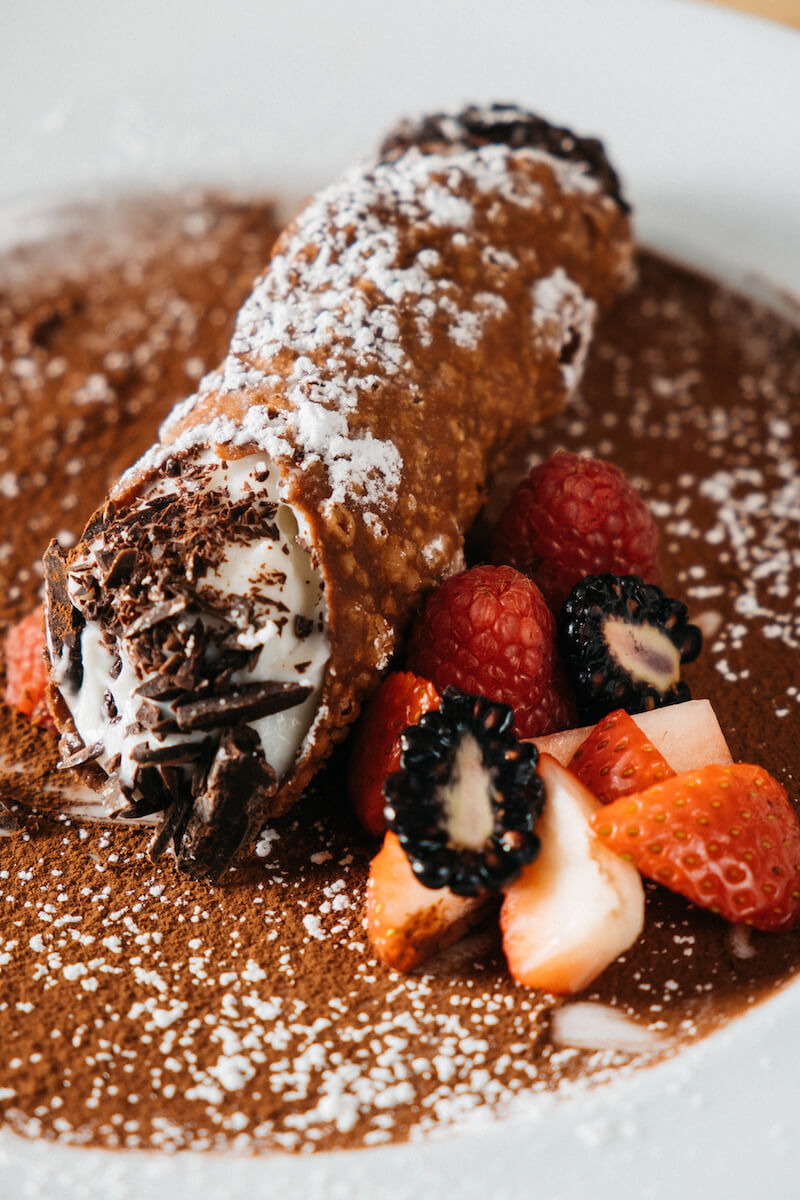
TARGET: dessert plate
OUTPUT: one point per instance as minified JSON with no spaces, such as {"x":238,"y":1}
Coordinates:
{"x":696,"y":106}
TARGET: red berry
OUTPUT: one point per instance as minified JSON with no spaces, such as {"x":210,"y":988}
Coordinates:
{"x":375,"y":750}
{"x":489,"y":632}
{"x":573,"y":517}
{"x":26,"y":671}
{"x":617,"y":759}
{"x":726,"y":837}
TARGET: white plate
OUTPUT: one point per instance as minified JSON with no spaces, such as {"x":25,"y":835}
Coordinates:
{"x":700,"y":109}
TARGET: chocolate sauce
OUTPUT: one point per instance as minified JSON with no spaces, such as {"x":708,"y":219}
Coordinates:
{"x":140,"y":1008}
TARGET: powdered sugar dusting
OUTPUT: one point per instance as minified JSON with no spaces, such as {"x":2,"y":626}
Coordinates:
{"x":315,"y":307}
{"x":563,"y":318}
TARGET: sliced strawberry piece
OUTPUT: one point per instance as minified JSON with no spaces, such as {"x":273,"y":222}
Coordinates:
{"x":617,"y":759}
{"x":726,"y":837}
{"x":687,"y":735}
{"x":408,"y":923}
{"x":375,"y":752}
{"x":26,"y":670}
{"x":575,"y":909}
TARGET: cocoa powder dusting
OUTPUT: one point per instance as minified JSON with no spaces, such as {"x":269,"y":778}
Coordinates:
{"x":139,"y":1008}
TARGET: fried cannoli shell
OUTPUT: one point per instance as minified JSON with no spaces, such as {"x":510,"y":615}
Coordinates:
{"x":415,"y":320}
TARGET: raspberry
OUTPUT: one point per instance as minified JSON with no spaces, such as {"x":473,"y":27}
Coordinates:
{"x":489,"y":632}
{"x":573,"y":517}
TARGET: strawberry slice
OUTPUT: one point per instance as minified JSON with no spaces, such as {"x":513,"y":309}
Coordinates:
{"x":375,"y":752}
{"x":406,"y":922}
{"x":26,"y":670}
{"x":687,"y":735}
{"x":726,"y":837}
{"x":617,"y":759}
{"x":578,"y":906}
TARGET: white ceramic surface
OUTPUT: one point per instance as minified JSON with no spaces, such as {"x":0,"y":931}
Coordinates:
{"x":700,"y":109}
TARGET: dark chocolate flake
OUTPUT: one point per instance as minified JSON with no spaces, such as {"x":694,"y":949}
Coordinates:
{"x":303,"y":627}
{"x":177,"y":752}
{"x":160,"y":687}
{"x":121,"y":567}
{"x":155,"y":614}
{"x":85,"y":754}
{"x":249,"y":702}
{"x":171,"y":828}
{"x":232,"y":807}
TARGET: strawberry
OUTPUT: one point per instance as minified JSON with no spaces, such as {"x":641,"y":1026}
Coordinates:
{"x":406,"y":922}
{"x":578,"y":906}
{"x":573,"y":516}
{"x":375,"y":751}
{"x":26,"y":670}
{"x":617,"y":759}
{"x":726,"y":837}
{"x":686,"y":735}
{"x":488,"y":632}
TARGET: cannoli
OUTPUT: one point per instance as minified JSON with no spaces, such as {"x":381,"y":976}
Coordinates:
{"x":228,"y":609}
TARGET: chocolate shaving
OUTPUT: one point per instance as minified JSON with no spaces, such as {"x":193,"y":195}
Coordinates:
{"x":152,"y":718}
{"x":179,"y":752}
{"x":170,"y":829}
{"x":85,"y":754}
{"x":155,"y":615}
{"x":303,"y":627}
{"x":160,"y":687}
{"x":121,"y":567}
{"x":248,"y":703}
{"x":232,"y":807}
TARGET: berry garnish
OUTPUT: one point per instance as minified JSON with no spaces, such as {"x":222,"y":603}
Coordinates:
{"x":465,"y":801}
{"x":375,"y":751}
{"x":617,"y":759}
{"x":572,"y":517}
{"x":623,"y":643}
{"x":726,"y":837}
{"x":489,"y":632}
{"x":579,"y":906}
{"x":26,"y":671}
{"x":406,"y":922}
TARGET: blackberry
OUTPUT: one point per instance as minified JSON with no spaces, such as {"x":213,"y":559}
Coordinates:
{"x":467,"y":796}
{"x":623,"y":642}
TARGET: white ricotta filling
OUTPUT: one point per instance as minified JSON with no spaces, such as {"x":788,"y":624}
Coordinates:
{"x":280,"y":578}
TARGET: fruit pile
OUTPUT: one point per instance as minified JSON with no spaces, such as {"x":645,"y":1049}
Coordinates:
{"x":487,"y":796}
